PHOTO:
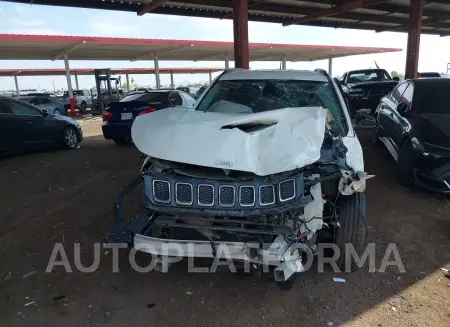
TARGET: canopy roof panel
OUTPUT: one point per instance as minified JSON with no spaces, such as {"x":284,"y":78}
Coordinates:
{"x":53,"y":47}
{"x":114,"y":71}
{"x":379,"y":15}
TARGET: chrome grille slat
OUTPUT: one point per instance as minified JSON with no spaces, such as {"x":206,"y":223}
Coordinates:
{"x":266,"y":195}
{"x":161,"y":191}
{"x":184,"y":193}
{"x":205,"y":195}
{"x":227,"y":195}
{"x":246,"y":196}
{"x":286,"y":190}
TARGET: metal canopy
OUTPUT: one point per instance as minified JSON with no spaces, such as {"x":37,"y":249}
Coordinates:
{"x":53,"y":47}
{"x":378,"y":15}
{"x":114,"y":71}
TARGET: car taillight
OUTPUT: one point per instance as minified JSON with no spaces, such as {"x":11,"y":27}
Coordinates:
{"x":146,"y":111}
{"x":107,"y":115}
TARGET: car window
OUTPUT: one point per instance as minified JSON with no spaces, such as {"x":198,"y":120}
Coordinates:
{"x":398,"y":92}
{"x":188,"y":100}
{"x":22,"y":109}
{"x":408,"y":94}
{"x":368,"y":75}
{"x":5,"y":107}
{"x":34,"y":101}
{"x":86,"y":93}
{"x":252,"y":96}
{"x":175,"y":99}
{"x":432,"y":98}
{"x":45,"y":100}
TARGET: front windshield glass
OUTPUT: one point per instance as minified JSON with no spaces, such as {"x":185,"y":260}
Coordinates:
{"x":252,"y":96}
{"x":368,"y":75}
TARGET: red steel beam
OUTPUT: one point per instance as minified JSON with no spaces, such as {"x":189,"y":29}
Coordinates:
{"x":336,"y":10}
{"x":415,"y":28}
{"x":153,"y":4}
{"x":240,"y":29}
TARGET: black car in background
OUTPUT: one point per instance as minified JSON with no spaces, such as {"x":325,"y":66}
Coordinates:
{"x":118,"y":117}
{"x":428,"y":75}
{"x":413,"y":122}
{"x":363,"y":89}
{"x":25,"y":128}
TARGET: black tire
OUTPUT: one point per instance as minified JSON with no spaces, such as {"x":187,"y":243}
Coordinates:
{"x":57,"y":112}
{"x":70,"y":138}
{"x":353,"y":229}
{"x":405,"y":164}
{"x":83,"y":107}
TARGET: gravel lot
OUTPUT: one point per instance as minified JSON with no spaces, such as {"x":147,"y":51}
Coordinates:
{"x":67,"y":196}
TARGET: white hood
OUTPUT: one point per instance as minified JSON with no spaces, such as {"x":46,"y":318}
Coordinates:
{"x":211,"y":139}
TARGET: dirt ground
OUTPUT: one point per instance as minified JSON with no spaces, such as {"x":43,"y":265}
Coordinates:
{"x":67,"y":197}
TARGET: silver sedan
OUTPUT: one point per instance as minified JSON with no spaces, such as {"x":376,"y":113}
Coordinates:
{"x":45,"y":102}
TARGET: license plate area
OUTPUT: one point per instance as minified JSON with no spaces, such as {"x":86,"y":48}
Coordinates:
{"x":126,"y":115}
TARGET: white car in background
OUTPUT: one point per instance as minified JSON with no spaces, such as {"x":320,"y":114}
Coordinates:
{"x":83,"y":99}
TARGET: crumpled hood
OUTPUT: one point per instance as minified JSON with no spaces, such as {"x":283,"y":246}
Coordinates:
{"x":263,"y":143}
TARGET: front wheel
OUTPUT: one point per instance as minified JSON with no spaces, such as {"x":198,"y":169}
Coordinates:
{"x":57,"y":112}
{"x":70,"y":138}
{"x":353,"y":229}
{"x":83,"y":107}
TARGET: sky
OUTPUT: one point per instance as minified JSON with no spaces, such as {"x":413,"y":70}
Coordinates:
{"x":35,"y":19}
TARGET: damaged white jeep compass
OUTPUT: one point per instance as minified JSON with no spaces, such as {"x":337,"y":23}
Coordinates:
{"x":267,"y":165}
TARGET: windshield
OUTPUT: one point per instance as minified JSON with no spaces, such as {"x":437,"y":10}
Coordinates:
{"x":368,"y":75}
{"x":252,"y":96}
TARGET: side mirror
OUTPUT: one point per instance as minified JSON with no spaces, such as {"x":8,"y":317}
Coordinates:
{"x":402,"y":108}
{"x":44,"y":112}
{"x":396,"y":79}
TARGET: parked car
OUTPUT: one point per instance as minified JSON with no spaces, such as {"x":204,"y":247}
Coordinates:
{"x":413,"y":122}
{"x":26,"y":128}
{"x":83,"y":99}
{"x":255,"y":169}
{"x":45,"y":102}
{"x":363,"y":89}
{"x":119,"y":116}
{"x":428,"y":75}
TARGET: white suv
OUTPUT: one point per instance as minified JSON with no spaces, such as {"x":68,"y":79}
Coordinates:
{"x":266,"y":164}
{"x":83,"y":99}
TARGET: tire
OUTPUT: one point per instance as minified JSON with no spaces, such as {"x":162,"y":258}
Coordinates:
{"x":70,"y":139}
{"x":83,"y":107}
{"x":57,"y":112}
{"x":353,"y":229}
{"x":405,"y":164}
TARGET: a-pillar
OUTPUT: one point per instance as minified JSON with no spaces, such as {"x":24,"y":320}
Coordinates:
{"x":227,"y":61}
{"x":330,"y":67}
{"x":283,"y":62}
{"x":210,"y":77}
{"x":414,"y":30}
{"x":240,"y":29}
{"x":17,"y":85}
{"x":156,"y":63}
{"x":172,"y":84}
{"x":76,"y":82}
{"x":69,"y":85}
{"x":128,"y":82}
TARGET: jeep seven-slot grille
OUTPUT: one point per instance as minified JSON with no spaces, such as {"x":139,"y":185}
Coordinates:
{"x":205,"y":195}
{"x":161,"y":191}
{"x":266,"y":195}
{"x":184,"y":194}
{"x":286,"y":190}
{"x":226,"y":195}
{"x":247,"y":196}
{"x":209,"y":195}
